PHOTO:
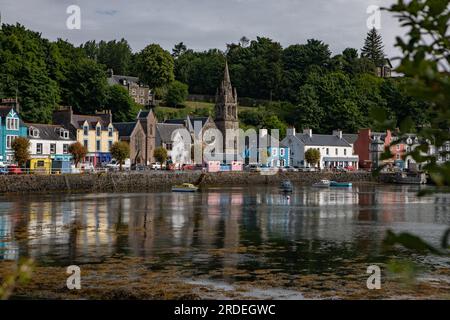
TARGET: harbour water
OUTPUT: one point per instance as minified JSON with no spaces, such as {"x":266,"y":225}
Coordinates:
{"x":222,"y":238}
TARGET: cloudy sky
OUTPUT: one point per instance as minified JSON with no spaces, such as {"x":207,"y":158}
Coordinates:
{"x":203,"y":24}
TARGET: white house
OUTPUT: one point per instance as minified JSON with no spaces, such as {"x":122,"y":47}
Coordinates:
{"x":177,"y":140}
{"x":335,"y":150}
{"x":49,"y":141}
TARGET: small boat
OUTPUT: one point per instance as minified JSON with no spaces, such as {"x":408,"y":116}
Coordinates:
{"x":340,"y":184}
{"x":286,"y":186}
{"x":410,"y":178}
{"x":322,"y":184}
{"x":185,"y":187}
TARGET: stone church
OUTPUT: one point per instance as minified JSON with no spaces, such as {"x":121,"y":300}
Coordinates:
{"x":226,"y":113}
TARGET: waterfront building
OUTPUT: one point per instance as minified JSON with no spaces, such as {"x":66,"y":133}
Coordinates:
{"x":11,"y":127}
{"x":226,"y":113}
{"x":176,"y":139}
{"x":334,"y":150}
{"x":148,"y":120}
{"x":95,"y":132}
{"x":133,"y":133}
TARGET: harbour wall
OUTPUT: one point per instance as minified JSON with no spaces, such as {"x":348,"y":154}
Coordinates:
{"x":163,"y":180}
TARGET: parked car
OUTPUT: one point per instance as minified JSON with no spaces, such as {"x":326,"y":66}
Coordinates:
{"x":341,"y":169}
{"x":14,"y":169}
{"x":115,"y":165}
{"x":87,"y":167}
{"x":253,"y":168}
{"x":3,"y":169}
{"x":188,"y":167}
{"x":308,"y":169}
{"x":291,"y":169}
{"x":138,"y":167}
{"x":156,"y":166}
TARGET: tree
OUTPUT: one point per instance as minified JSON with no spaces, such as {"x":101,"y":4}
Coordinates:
{"x":178,"y":50}
{"x":115,"y":55}
{"x":78,"y":152}
{"x":312,"y":156}
{"x":160,"y":154}
{"x":373,"y":47}
{"x":155,"y":66}
{"x":120,"y":151}
{"x":85,"y":86}
{"x":177,"y":93}
{"x":21,"y":148}
{"x":121,"y":104}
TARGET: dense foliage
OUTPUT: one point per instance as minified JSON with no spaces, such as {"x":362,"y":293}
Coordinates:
{"x":302,"y":85}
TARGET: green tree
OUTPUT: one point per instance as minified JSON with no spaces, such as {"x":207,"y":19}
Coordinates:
{"x":120,"y":151}
{"x":178,"y":50}
{"x":160,"y":154}
{"x":85,"y":86}
{"x":121,"y":104}
{"x":312,"y":156}
{"x":78,"y":152}
{"x":373,"y":47}
{"x":155,"y":66}
{"x":177,"y":93}
{"x":115,"y":55}
{"x":21,"y":148}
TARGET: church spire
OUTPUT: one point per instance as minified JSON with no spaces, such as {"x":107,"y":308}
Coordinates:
{"x":226,"y":78}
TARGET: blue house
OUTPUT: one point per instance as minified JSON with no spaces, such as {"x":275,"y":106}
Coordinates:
{"x":11,"y":127}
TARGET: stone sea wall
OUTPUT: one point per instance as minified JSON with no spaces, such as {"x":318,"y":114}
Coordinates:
{"x":153,"y":181}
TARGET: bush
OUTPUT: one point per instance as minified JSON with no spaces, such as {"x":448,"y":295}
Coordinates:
{"x":177,"y":93}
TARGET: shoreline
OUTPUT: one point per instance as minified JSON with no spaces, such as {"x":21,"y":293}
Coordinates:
{"x":158,"y":180}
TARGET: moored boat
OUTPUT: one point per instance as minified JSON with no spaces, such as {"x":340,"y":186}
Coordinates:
{"x":185,"y":187}
{"x":286,"y":186}
{"x":322,"y":184}
{"x":340,"y":184}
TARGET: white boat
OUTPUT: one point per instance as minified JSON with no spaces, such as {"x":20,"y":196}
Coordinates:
{"x":322,"y":184}
{"x":185,"y":187}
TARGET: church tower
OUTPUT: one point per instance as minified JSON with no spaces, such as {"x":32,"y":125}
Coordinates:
{"x":226,"y":111}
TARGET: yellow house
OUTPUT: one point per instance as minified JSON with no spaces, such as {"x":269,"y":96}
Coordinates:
{"x":96,"y":132}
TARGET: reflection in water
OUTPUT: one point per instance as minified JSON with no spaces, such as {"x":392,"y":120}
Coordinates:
{"x":218,"y":229}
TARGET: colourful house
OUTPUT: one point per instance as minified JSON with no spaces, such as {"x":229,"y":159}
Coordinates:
{"x":96,"y":132}
{"x":11,"y":127}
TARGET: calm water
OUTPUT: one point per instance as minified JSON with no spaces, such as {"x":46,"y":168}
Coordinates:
{"x":313,"y":231}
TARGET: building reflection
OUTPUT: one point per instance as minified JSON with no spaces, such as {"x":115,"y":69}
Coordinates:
{"x":214,"y":229}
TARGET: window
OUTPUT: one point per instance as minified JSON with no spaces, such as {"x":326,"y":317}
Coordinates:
{"x":98,"y":145}
{"x":447,"y":147}
{"x":336,"y":151}
{"x":12,"y":123}
{"x":52,"y":148}
{"x":65,"y":148}
{"x":86,"y":144}
{"x":274,"y":152}
{"x":110,"y":131}
{"x":168,"y":146}
{"x":328,"y":151}
{"x":398,"y":147}
{"x":38,"y":148}
{"x":99,"y":131}
{"x":64,"y":134}
{"x":110,"y":143}
{"x":345,"y":152}
{"x":86,"y":130}
{"x":9,"y":141}
{"x":282,"y":152}
{"x":151,"y":129}
{"x":398,"y":157}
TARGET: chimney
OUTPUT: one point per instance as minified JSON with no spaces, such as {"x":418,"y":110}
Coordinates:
{"x":337,"y":133}
{"x":63,"y":116}
{"x":290,"y":131}
{"x":308,"y":132}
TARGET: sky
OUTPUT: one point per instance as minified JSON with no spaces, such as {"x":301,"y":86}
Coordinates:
{"x":204,"y":24}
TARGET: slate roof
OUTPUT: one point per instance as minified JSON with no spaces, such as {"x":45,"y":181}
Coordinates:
{"x":79,"y":119}
{"x":118,"y":79}
{"x":49,"y":131}
{"x":143,"y":114}
{"x":322,"y":140}
{"x":125,"y":128}
{"x":350,"y":138}
{"x":165,"y":131}
{"x":5,"y":110}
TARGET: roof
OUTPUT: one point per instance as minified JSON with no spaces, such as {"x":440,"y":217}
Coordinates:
{"x":78,"y":120}
{"x":350,"y":138}
{"x":143,"y":114}
{"x":165,"y":130}
{"x":322,"y":140}
{"x":48,"y":131}
{"x":5,"y":110}
{"x":125,"y":128}
{"x":118,"y":79}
